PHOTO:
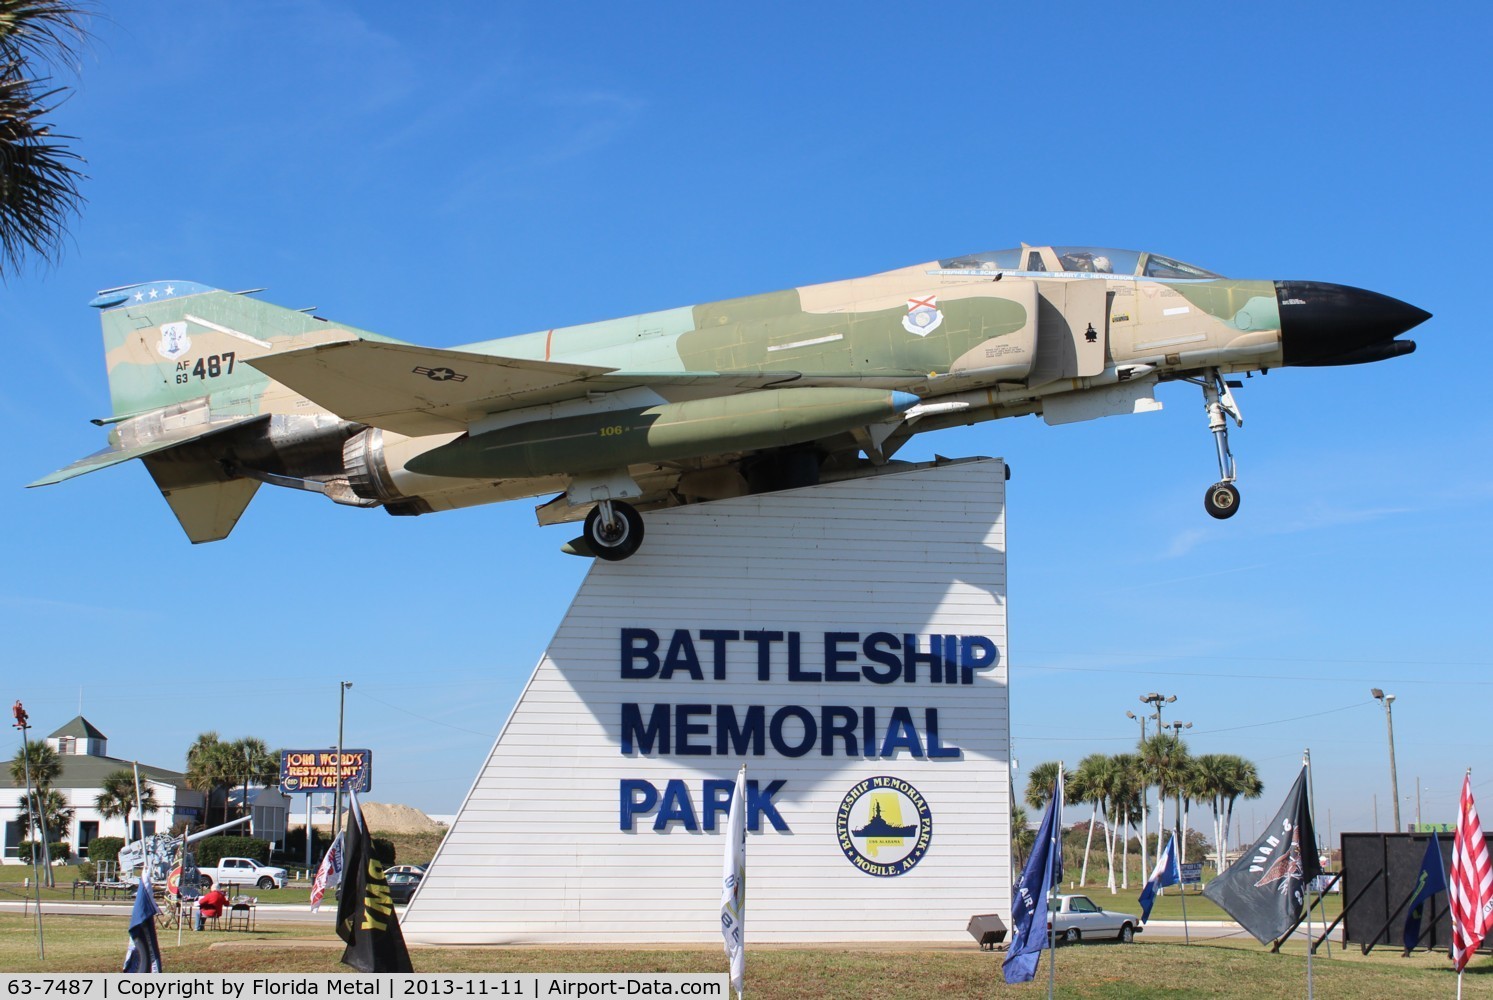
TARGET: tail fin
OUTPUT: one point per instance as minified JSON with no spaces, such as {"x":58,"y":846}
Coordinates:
{"x":168,"y":342}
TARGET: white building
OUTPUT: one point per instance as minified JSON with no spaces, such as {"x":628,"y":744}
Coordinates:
{"x":846,"y":642}
{"x":83,"y":752}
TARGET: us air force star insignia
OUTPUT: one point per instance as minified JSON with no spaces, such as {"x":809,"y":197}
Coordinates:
{"x":923,"y":316}
{"x":441,"y":374}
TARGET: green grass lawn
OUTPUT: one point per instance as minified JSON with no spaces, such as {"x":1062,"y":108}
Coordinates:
{"x":1147,"y":969}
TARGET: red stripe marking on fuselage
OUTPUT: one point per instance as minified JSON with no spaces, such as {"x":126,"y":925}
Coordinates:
{"x":547,"y":338}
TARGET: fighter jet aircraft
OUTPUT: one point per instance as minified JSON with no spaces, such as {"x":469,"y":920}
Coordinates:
{"x":218,"y":392}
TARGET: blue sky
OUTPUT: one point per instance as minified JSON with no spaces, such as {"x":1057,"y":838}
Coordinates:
{"x":480,"y":170}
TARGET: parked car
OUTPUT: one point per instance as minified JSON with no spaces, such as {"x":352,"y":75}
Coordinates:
{"x":402,"y":885}
{"x":406,"y":870}
{"x":1079,"y":917}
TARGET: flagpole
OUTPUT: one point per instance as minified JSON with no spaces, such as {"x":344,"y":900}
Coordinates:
{"x":140,"y":812}
{"x":1182,"y":892}
{"x":1306,"y":762}
{"x":733,"y":887}
{"x":1054,"y":845}
{"x":1460,"y":809}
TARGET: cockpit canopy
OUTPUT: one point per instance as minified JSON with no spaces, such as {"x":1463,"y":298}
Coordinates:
{"x":1077,"y":260}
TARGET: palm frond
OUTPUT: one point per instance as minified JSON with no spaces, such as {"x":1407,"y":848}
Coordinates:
{"x":39,"y":176}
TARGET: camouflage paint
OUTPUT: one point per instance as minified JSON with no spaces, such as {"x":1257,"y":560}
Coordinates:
{"x":182,"y":382}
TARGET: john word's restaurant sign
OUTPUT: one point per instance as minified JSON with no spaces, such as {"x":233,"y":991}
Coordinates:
{"x":316,"y":770}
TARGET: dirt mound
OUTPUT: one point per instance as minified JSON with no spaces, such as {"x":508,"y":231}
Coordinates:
{"x":394,"y":818}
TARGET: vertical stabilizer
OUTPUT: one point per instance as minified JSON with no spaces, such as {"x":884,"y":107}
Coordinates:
{"x":169,"y":342}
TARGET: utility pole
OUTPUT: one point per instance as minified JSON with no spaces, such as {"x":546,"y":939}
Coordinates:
{"x":1394,"y":779}
{"x":342,"y":687}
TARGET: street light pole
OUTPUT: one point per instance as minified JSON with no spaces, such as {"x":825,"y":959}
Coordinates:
{"x":1156,"y":699}
{"x":1394,"y":779}
{"x":342,"y":687}
{"x":1145,"y":869}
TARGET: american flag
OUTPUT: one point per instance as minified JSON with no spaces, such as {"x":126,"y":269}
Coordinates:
{"x":1471,"y":891}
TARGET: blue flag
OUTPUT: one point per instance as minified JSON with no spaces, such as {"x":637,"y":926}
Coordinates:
{"x":1432,"y":879}
{"x":1029,"y":896}
{"x":144,"y":952}
{"x":1167,"y":872}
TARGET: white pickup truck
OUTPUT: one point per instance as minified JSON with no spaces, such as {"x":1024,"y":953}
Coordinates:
{"x":241,"y":871}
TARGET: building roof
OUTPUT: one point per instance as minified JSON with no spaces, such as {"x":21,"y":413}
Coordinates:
{"x":80,"y":728}
{"x":81,"y":771}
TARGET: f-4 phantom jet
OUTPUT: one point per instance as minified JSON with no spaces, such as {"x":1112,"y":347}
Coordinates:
{"x":218,"y":392}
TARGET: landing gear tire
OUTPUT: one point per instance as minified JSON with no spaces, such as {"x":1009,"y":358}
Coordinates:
{"x":1222,"y":500}
{"x":616,"y":537}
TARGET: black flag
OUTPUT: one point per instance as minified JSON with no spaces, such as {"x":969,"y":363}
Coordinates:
{"x":365,"y":912}
{"x":1265,"y":889}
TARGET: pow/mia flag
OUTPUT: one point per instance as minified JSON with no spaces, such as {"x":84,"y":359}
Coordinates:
{"x":365,"y":911}
{"x":1265,"y":889}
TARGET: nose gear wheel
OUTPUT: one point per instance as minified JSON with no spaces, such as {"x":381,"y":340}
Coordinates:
{"x":1222,"y":500}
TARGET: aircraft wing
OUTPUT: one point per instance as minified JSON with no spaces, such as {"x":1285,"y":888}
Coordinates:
{"x":114,"y":456}
{"x":424,"y":390}
{"x":420,"y":390}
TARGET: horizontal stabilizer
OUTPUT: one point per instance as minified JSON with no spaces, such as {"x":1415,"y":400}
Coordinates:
{"x":114,"y":456}
{"x":420,"y":390}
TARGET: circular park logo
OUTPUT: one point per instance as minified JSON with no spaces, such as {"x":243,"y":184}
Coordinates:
{"x":884,"y":826}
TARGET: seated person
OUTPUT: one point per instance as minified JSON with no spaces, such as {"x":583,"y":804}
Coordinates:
{"x":210,"y":905}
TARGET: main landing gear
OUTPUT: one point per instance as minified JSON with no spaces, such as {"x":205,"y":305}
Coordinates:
{"x":614,"y":530}
{"x":1222,"y":498}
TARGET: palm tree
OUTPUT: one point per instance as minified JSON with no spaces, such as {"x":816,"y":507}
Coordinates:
{"x":1130,"y":785}
{"x":1165,"y":759}
{"x":1041,"y":782}
{"x":1247,"y":785}
{"x":254,"y":762}
{"x":1213,"y":775}
{"x":1021,"y":838}
{"x":38,"y":760}
{"x":39,"y":176}
{"x":44,"y":763}
{"x":55,"y":814}
{"x":210,"y":766}
{"x":117,"y":798}
{"x":1092,"y":783}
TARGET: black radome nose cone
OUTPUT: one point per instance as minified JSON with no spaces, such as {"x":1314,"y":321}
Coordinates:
{"x":1326,"y":324}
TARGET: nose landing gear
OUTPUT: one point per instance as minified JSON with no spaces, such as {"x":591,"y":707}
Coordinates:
{"x":1222,"y":498}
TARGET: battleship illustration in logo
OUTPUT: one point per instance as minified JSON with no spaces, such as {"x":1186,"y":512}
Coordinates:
{"x":884,"y":826}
